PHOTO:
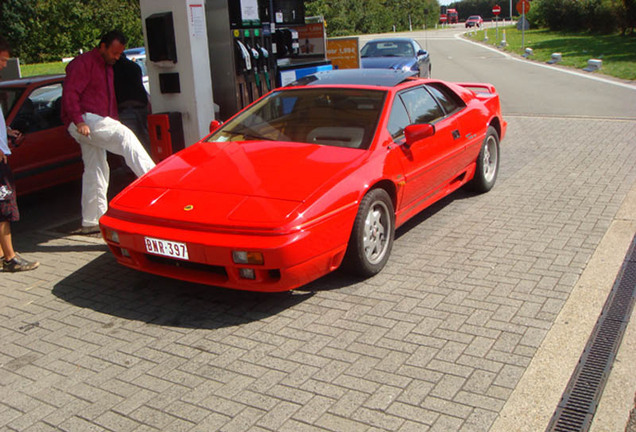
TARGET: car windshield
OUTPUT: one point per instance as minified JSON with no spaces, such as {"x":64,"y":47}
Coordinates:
{"x":387,"y":49}
{"x":326,"y":116}
{"x":474,"y":17}
{"x":8,"y":97}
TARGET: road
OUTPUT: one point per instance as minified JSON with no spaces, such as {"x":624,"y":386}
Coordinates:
{"x":475,"y":324}
{"x":526,"y":87}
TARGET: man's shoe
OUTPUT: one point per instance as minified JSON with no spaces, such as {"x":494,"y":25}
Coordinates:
{"x":90,"y":229}
{"x":18,"y":264}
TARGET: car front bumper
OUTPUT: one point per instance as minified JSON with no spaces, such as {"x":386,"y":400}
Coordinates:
{"x":289,"y":260}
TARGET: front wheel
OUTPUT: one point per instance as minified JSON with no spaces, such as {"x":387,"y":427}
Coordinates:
{"x":487,"y":163}
{"x":372,"y":235}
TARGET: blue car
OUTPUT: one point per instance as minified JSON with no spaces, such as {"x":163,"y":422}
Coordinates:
{"x":396,"y":53}
{"x":135,"y":52}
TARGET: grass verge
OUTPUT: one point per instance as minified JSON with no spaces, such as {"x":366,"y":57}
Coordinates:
{"x":43,"y":69}
{"x":617,"y":52}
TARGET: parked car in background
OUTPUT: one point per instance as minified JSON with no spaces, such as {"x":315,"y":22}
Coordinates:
{"x":311,"y":176}
{"x":133,"y":52}
{"x":47,"y":155}
{"x":396,"y":53}
{"x":474,"y":21}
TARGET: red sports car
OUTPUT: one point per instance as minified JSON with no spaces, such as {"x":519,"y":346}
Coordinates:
{"x":309,"y":177}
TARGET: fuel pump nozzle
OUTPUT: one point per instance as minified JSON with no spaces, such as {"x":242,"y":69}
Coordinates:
{"x":265,"y":55}
{"x":256,"y":56}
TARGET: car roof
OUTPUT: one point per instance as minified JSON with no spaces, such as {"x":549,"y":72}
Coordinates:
{"x":369,"y":77}
{"x":138,"y":50}
{"x":25,"y":81}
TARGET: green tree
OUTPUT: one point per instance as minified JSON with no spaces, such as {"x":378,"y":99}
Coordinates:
{"x":346,"y":17}
{"x":601,"y":16}
{"x":47,"y":30}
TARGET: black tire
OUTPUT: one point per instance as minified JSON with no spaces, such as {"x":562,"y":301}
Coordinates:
{"x":372,"y":235}
{"x":487,"y":163}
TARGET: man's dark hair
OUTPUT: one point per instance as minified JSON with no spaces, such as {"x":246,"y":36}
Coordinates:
{"x":113,"y":35}
{"x":4,"y":45}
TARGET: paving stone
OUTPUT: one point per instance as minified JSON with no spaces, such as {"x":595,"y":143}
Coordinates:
{"x":437,"y":341}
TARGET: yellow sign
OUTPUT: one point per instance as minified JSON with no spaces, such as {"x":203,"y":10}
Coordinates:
{"x":344,"y":53}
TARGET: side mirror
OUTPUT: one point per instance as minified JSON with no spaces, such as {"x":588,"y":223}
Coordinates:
{"x":417,"y":132}
{"x":422,"y":53}
{"x":214,"y":125}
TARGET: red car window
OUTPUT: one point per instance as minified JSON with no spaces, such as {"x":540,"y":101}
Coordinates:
{"x":421,"y":106}
{"x":327,"y":116}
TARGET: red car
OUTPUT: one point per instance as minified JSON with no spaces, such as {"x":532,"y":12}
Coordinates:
{"x":310,"y":176}
{"x":47,"y":155}
{"x":474,"y":21}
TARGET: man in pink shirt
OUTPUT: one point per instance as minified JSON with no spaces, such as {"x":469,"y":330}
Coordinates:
{"x":89,"y":111}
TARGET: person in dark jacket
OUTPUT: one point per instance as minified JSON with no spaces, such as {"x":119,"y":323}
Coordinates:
{"x":132,"y":98}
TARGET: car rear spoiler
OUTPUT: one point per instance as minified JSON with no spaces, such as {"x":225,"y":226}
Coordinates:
{"x":479,"y":87}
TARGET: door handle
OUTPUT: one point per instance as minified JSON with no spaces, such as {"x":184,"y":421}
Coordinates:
{"x":456,"y":134}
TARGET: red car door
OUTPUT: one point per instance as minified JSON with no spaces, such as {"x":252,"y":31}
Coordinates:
{"x":47,"y":155}
{"x":469,"y":121}
{"x":431,"y":163}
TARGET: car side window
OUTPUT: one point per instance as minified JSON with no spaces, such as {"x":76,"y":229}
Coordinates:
{"x":421,"y":106}
{"x":445,"y":97}
{"x":40,"y":110}
{"x":399,"y":119}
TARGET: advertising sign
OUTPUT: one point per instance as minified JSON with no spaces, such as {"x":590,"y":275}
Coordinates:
{"x":344,"y":53}
{"x":311,"y":39}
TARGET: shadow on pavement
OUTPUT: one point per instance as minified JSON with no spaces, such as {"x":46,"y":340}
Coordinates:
{"x":105,"y":286}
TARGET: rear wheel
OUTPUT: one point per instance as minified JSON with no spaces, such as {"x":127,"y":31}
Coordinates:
{"x":372,"y":235}
{"x":487,"y":163}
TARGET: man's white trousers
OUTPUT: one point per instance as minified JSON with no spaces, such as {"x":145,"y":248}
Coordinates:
{"x":110,"y":135}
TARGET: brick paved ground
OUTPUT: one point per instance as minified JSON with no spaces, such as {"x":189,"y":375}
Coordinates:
{"x":437,"y":341}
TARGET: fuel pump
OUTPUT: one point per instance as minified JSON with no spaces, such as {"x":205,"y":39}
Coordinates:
{"x":287,"y":45}
{"x":242,"y":72}
{"x":251,"y":42}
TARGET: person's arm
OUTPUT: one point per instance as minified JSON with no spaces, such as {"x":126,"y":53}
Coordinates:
{"x":16,"y":135}
{"x":76,"y":81}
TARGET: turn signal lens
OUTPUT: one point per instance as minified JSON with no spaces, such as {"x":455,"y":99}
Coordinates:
{"x":112,"y":235}
{"x":244,"y":257}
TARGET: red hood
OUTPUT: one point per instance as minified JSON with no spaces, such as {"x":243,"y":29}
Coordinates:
{"x":249,"y":183}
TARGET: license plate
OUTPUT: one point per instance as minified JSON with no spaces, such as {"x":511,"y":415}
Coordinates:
{"x":166,"y":248}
